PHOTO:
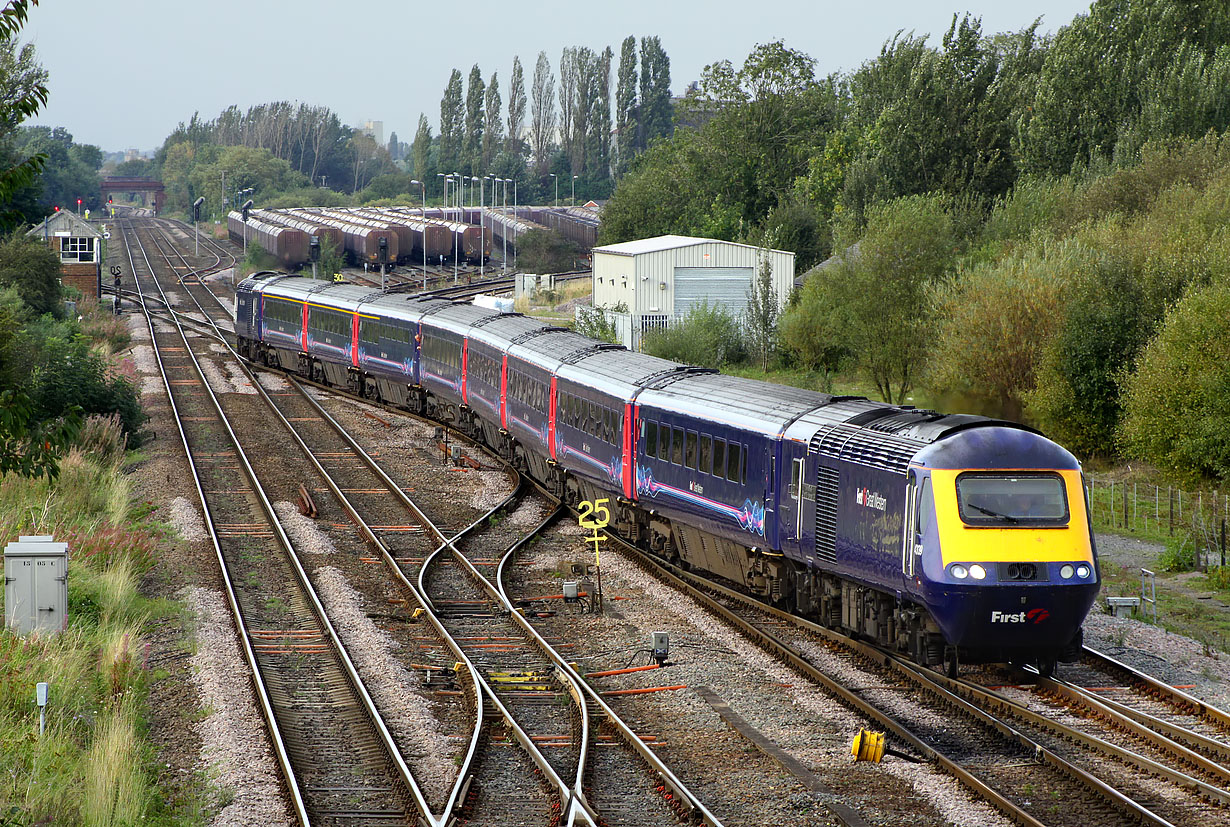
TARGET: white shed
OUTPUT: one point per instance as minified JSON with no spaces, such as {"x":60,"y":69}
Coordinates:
{"x":660,"y":279}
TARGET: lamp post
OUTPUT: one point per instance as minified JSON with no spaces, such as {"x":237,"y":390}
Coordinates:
{"x":572,"y":202}
{"x":424,"y":186}
{"x":518,"y":231}
{"x":482,"y":229}
{"x":556,"y":177}
{"x":445,"y":201}
{"x":507,"y":224}
{"x":450,"y":177}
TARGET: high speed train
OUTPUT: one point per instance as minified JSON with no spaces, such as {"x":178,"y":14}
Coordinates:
{"x":949,"y":538}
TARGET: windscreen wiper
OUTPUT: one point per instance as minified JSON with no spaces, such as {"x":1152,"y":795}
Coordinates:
{"x":991,"y":513}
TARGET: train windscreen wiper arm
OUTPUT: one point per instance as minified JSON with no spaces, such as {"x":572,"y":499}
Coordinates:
{"x":991,"y":513}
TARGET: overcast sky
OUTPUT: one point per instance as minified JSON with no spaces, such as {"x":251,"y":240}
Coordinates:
{"x":123,"y":73}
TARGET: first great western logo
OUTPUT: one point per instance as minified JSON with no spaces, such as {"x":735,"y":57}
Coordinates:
{"x":1034,"y":616}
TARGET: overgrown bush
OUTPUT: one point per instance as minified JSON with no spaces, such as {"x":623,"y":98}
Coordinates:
{"x":993,"y":323}
{"x":543,"y":251}
{"x":67,"y":372}
{"x":1177,"y":403}
{"x":708,"y":336}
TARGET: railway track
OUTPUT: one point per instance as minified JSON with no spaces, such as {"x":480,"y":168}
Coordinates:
{"x":1033,"y":767}
{"x":524,"y":679}
{"x":336,"y":757}
{"x":502,"y":678}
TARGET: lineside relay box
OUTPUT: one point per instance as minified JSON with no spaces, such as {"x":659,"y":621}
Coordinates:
{"x":36,"y":585}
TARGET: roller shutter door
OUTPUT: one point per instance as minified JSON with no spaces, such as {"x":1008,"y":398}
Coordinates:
{"x":723,"y":286}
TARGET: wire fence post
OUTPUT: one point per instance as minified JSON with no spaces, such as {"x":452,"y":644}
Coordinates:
{"x":1170,"y":503}
{"x":1125,"y":511}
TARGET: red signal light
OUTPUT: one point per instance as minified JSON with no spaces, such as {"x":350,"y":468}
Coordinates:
{"x":57,"y":209}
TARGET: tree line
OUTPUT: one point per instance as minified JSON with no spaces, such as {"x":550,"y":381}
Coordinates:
{"x":1017,"y":225}
{"x":564,"y":125}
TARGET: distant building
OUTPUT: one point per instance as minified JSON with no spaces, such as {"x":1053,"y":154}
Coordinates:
{"x":79,"y":247}
{"x":660,"y":279}
{"x":375,"y":129}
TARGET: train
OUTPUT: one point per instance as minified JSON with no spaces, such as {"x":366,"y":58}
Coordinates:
{"x":949,"y":538}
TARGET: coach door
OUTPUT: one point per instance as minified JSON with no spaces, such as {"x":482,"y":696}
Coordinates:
{"x":919,"y":517}
{"x":797,"y":511}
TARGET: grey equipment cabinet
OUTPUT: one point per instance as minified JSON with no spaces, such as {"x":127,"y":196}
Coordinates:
{"x":36,"y":585}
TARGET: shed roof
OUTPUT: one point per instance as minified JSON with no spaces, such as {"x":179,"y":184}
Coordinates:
{"x":667,"y":242}
{"x":64,"y":220}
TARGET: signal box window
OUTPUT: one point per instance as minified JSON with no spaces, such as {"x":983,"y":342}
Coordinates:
{"x":77,"y":249}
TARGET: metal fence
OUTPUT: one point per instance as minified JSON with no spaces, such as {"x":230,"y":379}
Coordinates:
{"x":1157,"y":513}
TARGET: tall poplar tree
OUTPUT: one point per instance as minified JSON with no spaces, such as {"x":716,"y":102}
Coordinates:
{"x":567,"y":102}
{"x":626,"y":118}
{"x":452,"y":114}
{"x":472,"y":154}
{"x":422,"y":151}
{"x":601,"y":119}
{"x":655,"y":109}
{"x":516,"y":107}
{"x":542,"y":113}
{"x":493,"y":125}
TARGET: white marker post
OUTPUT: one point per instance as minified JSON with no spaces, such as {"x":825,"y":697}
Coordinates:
{"x":40,"y":697}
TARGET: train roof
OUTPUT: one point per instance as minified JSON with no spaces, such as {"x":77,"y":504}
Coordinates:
{"x":458,"y":318}
{"x":506,"y":329}
{"x":616,"y":371}
{"x":552,"y":348}
{"x":742,"y":403}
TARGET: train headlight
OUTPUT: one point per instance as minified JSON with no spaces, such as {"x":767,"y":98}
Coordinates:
{"x":978,"y":572}
{"x":958,"y":571}
{"x":1082,"y":571}
{"x":1067,"y":571}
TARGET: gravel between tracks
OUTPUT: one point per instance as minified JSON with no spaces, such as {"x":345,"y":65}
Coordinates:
{"x":187,"y":520}
{"x":804,"y":721}
{"x":393,"y":687}
{"x":303,"y":532}
{"x":234,"y":753}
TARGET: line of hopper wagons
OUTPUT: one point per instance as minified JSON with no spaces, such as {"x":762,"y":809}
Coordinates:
{"x":376,"y":236}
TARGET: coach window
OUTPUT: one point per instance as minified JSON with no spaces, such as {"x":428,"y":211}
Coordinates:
{"x":677,"y":446}
{"x":651,"y":439}
{"x":719,"y":457}
{"x":706,"y":453}
{"x":664,"y":443}
{"x":690,"y":453}
{"x":732,"y":462}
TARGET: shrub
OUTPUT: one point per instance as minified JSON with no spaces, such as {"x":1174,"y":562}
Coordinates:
{"x":708,"y":336}
{"x":993,"y":324}
{"x":1179,"y":554}
{"x":1177,"y":403}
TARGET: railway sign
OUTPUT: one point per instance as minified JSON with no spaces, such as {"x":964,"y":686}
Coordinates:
{"x":116,"y":269}
{"x":595,"y":516}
